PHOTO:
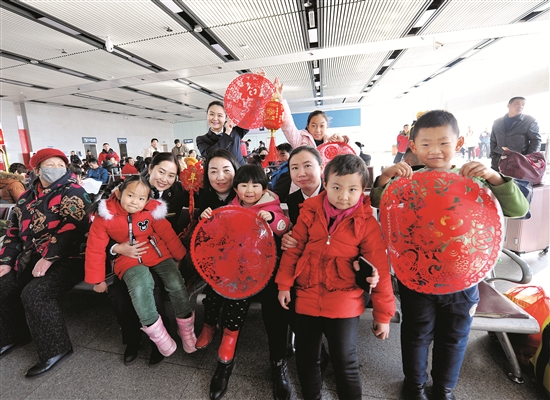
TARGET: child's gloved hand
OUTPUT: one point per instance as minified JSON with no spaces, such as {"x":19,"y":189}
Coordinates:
{"x":380,"y":330}
{"x":100,"y":287}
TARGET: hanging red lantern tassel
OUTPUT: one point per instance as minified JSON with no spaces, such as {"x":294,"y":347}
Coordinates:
{"x":273,"y":120}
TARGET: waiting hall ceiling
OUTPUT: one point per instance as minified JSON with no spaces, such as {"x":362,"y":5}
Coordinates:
{"x":170,"y":58}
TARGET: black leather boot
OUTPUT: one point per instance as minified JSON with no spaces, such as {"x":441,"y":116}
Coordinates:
{"x":414,"y":391}
{"x":220,"y":380}
{"x":442,"y":393}
{"x":281,"y":385}
{"x":155,"y":356}
{"x":131,"y":353}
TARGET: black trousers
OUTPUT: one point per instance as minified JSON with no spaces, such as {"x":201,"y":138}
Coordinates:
{"x":341,"y":334}
{"x":234,"y":315}
{"x":125,"y":313}
{"x":30,"y":305}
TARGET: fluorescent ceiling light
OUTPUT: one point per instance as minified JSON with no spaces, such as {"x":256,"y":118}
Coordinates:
{"x":312,"y":35}
{"x":71,"y":72}
{"x":424,"y":18}
{"x":311,"y":18}
{"x":138,"y":61}
{"x":470,"y":53}
{"x":59,"y":26}
{"x":388,"y":62}
{"x":15,"y":82}
{"x":487,"y":43}
{"x":171,"y":100}
{"x":144,"y":93}
{"x":171,"y":6}
{"x":316,"y":71}
{"x":195,"y":86}
{"x":220,"y":49}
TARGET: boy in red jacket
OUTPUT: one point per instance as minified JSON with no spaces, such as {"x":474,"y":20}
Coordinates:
{"x":333,"y":230}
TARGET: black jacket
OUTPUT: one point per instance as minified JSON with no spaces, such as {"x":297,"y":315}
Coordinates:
{"x":523,"y":136}
{"x":232,"y":142}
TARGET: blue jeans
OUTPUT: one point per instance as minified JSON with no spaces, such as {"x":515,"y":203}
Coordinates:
{"x":445,"y":319}
{"x":341,"y":334}
{"x":141,"y":285}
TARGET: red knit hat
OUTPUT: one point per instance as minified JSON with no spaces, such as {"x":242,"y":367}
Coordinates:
{"x":44,"y":154}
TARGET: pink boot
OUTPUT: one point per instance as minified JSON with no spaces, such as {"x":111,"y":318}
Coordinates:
{"x":158,"y":334}
{"x":186,"y":330}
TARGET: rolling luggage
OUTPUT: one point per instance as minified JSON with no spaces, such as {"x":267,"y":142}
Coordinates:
{"x":523,"y":236}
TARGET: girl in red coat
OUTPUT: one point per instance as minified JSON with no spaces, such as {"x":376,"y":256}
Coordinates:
{"x":250,"y":185}
{"x":333,"y":229}
{"x":130,"y":214}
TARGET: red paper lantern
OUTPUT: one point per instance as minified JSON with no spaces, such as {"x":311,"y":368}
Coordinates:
{"x":273,"y":115}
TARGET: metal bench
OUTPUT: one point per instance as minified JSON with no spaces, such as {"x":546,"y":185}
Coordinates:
{"x":496,"y":313}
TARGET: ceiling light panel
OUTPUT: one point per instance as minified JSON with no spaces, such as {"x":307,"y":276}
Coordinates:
{"x":41,"y":76}
{"x":122,"y":21}
{"x":346,"y":23}
{"x":30,"y":39}
{"x":457,"y":15}
{"x":100,"y":64}
{"x":174,"y":52}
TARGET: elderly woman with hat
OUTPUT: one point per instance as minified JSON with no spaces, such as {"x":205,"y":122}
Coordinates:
{"x":41,"y":259}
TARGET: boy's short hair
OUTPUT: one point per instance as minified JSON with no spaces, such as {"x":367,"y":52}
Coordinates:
{"x":92,"y":160}
{"x":284,"y":147}
{"x":250,"y":173}
{"x":18,"y":167}
{"x":515,"y":98}
{"x":411,"y":158}
{"x":434,"y":119}
{"x":152,"y":140}
{"x":347,"y":164}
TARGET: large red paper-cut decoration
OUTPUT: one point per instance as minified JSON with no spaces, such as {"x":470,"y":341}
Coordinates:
{"x":234,"y":251}
{"x":245,"y":99}
{"x":329,"y":150}
{"x":443,"y":231}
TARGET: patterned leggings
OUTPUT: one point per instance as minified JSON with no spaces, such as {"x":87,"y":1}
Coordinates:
{"x":30,"y":305}
{"x":233,"y":314}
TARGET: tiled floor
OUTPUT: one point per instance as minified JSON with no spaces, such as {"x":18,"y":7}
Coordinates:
{"x":96,"y":370}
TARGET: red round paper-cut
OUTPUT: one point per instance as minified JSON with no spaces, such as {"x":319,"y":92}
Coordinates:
{"x":329,"y":150}
{"x":245,"y":99}
{"x":443,"y":231}
{"x":234,"y":251}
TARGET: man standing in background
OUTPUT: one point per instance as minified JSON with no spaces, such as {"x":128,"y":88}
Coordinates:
{"x":402,"y":143}
{"x":106,"y":154}
{"x":484,"y":140}
{"x":516,"y":131}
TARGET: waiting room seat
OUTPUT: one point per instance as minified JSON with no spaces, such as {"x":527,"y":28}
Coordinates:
{"x":496,"y":313}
